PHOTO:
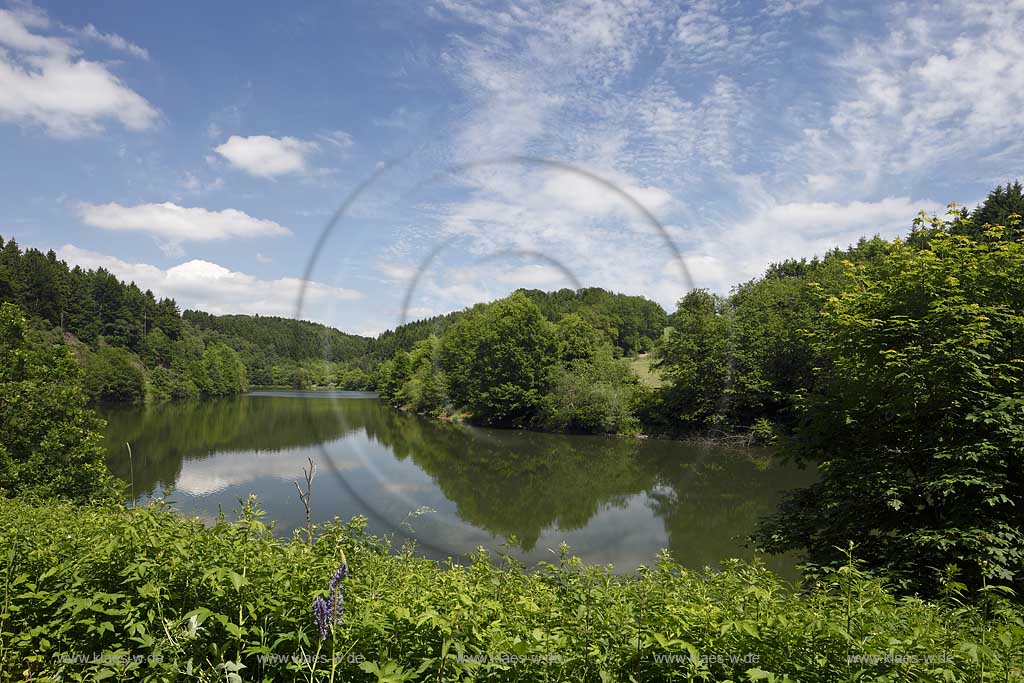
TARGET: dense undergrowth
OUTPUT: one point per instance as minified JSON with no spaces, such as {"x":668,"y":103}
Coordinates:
{"x":146,"y":594}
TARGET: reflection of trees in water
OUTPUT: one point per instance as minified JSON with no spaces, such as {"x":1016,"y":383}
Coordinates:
{"x":521,"y":483}
{"x":505,"y":482}
{"x":163,"y":436}
{"x":710,"y":503}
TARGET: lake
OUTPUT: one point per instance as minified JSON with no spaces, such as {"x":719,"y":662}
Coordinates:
{"x":612,"y":500}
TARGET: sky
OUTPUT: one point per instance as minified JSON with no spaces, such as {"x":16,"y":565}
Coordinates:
{"x":467,"y":149}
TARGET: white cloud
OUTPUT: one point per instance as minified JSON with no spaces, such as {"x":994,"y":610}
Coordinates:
{"x":173,"y":224}
{"x":582,"y":194}
{"x":113,"y":41}
{"x":780,"y":7}
{"x":190,"y":183}
{"x":211,"y":287}
{"x":43,"y":81}
{"x":562,"y":83}
{"x":266,"y":156}
{"x":15,"y":34}
{"x":193,"y":184}
{"x":819,"y":183}
{"x":339,"y":139}
{"x":705,"y":31}
{"x":774,"y":231}
{"x":943,"y":81}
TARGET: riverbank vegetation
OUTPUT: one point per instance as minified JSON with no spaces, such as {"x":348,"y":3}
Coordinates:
{"x":894,"y":367}
{"x":144,"y":594}
{"x":556,"y":361}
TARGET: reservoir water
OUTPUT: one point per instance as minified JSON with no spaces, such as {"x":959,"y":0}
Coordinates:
{"x":450,"y":488}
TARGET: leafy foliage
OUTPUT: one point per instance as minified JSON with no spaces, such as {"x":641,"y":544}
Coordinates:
{"x":159,"y":597}
{"x":696,"y":359}
{"x":918,"y":416}
{"x":223,"y":372}
{"x":50,"y":443}
{"x":497,"y":360}
{"x":741,"y":360}
{"x":114,"y":374}
{"x":594,"y":394}
{"x":631,"y":323}
{"x":512,"y":363}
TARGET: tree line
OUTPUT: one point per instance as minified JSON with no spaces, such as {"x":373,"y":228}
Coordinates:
{"x":554,"y":360}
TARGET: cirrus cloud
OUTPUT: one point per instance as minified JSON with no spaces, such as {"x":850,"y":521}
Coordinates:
{"x":113,"y":41}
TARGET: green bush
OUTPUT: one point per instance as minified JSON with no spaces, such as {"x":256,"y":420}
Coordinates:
{"x":223,"y":371}
{"x":166,"y":384}
{"x":497,"y":361}
{"x":114,"y":374}
{"x":595,"y":395}
{"x":157,"y":597}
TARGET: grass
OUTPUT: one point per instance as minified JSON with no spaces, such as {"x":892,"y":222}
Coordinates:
{"x":642,"y":366}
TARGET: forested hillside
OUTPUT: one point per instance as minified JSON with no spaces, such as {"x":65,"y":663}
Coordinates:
{"x":543,"y":359}
{"x":630,"y":323}
{"x":284,"y":337}
{"x":133,"y":346}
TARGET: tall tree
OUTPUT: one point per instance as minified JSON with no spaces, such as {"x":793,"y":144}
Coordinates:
{"x":999,"y":205}
{"x":497,"y":361}
{"x":50,"y":443}
{"x":917,"y":417}
{"x":696,"y":359}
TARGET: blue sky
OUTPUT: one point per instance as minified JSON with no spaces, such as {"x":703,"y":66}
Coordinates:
{"x":200,"y":148}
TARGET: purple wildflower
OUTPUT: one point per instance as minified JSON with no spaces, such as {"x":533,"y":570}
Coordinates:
{"x":321,"y":615}
{"x":340,"y":575}
{"x":327,"y":613}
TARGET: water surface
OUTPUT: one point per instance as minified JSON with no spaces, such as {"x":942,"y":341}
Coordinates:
{"x":612,"y":500}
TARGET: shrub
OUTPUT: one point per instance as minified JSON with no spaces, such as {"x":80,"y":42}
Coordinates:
{"x":114,"y":374}
{"x":594,"y":395}
{"x":224,"y":372}
{"x":166,"y":384}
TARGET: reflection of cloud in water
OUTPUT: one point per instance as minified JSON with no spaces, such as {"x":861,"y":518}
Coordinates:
{"x":224,"y":470}
{"x":403,"y":488}
{"x":624,"y":534}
